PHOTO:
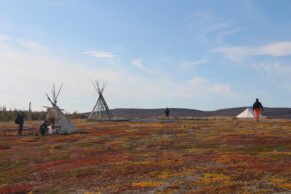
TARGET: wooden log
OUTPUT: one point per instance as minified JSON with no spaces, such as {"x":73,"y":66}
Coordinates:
{"x":8,"y":130}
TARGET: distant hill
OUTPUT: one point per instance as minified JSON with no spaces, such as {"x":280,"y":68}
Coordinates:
{"x":281,"y":113}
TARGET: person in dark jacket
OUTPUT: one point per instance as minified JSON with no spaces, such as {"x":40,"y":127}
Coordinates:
{"x":44,"y":127}
{"x":167,"y":113}
{"x":257,"y":107}
{"x":20,"y":120}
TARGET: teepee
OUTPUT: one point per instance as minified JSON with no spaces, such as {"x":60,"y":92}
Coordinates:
{"x":100,"y":110}
{"x":56,"y":117}
{"x":248,"y":113}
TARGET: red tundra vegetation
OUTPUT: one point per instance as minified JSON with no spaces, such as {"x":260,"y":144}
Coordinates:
{"x":218,"y":155}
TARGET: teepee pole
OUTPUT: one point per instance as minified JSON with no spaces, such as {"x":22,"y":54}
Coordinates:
{"x":59,"y":92}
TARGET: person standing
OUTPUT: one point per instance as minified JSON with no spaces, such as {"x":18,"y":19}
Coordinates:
{"x":257,"y":107}
{"x":167,"y":113}
{"x":20,"y":120}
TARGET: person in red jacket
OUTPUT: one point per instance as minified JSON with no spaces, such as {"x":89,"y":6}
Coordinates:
{"x":257,"y":107}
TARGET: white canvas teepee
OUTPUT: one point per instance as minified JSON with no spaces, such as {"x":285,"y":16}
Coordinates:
{"x":56,"y":117}
{"x":248,"y":113}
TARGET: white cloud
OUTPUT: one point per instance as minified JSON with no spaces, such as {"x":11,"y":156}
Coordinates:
{"x":99,"y":54}
{"x":265,"y":60}
{"x":276,"y":49}
{"x":236,"y":54}
{"x":273,"y":69}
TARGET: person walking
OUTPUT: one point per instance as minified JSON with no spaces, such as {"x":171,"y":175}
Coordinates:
{"x":167,"y":113}
{"x":257,"y":107}
{"x":20,"y":120}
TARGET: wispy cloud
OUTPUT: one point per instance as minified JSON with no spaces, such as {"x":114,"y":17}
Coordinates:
{"x":194,"y":63}
{"x":266,"y":60}
{"x":276,"y":49}
{"x":99,"y":54}
{"x":218,"y":26}
{"x":213,"y":29}
{"x":277,"y":72}
{"x":275,"y":69}
{"x":237,"y":54}
{"x":138,"y":63}
{"x":222,"y":35}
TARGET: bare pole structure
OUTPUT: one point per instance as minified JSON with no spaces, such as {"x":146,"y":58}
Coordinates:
{"x":29,"y":112}
{"x":55,"y":95}
{"x":101,"y":110}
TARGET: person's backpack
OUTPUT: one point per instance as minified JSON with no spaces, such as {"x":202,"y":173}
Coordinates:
{"x":17,"y":120}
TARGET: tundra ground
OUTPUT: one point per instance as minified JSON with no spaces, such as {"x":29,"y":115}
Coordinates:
{"x":217,"y":155}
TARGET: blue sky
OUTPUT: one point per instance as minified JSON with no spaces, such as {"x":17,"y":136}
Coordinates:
{"x":196,"y":54}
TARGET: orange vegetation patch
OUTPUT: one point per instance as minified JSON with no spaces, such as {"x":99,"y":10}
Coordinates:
{"x":218,"y":155}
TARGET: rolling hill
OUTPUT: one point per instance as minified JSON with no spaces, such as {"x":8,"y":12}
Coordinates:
{"x":281,"y":113}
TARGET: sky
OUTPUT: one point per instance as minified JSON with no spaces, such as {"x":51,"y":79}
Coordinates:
{"x":197,"y":54}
